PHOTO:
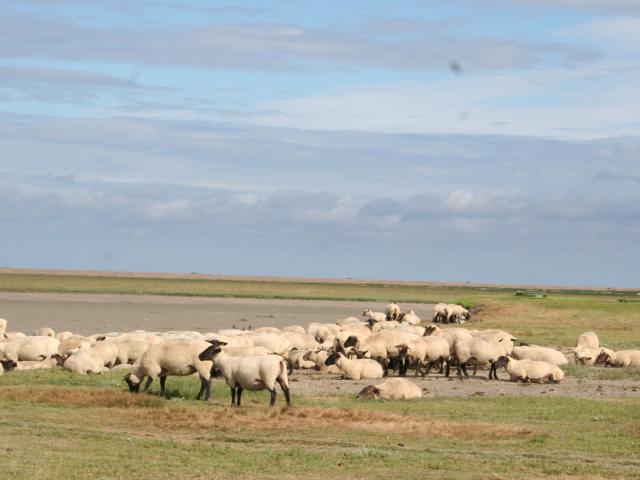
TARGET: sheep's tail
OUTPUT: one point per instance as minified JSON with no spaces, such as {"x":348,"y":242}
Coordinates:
{"x":285,"y":365}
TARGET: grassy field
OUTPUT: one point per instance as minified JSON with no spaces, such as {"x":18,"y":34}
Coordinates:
{"x":56,"y":425}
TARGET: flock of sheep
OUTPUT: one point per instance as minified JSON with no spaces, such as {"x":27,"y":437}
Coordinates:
{"x":261,"y":358}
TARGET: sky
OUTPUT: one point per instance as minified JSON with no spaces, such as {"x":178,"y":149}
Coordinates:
{"x":469,"y":140}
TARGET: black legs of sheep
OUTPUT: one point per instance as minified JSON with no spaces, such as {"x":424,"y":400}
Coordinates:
{"x":205,"y":388}
{"x":493,"y":370}
{"x":236,"y":395}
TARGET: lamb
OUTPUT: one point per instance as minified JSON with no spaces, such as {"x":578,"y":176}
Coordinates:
{"x":482,"y":351}
{"x":392,"y":389}
{"x":355,"y":369}
{"x":44,"y":332}
{"x":249,"y":373}
{"x":530,"y":370}
{"x":541,"y":354}
{"x":82,"y":362}
{"x":29,"y":348}
{"x":621,"y":358}
{"x":177,"y":358}
{"x":392,"y":312}
{"x":587,"y":340}
{"x":374,"y":316}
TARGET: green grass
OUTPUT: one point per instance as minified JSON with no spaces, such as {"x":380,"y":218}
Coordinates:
{"x":66,"y":426}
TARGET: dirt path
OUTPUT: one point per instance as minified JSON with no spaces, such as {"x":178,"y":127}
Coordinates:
{"x":88,"y":314}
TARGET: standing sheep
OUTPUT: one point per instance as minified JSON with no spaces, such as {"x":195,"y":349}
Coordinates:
{"x":392,"y":312}
{"x":374,"y":316}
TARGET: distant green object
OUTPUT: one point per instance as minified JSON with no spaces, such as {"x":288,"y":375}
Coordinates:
{"x":521,"y":293}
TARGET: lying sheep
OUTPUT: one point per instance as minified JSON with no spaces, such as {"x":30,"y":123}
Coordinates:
{"x":301,"y":341}
{"x":297,"y":359}
{"x":392,"y":389}
{"x":374,"y":316}
{"x":177,"y":358}
{"x":44,"y":332}
{"x":37,"y":365}
{"x":541,"y":354}
{"x":73,"y":343}
{"x":277,"y":344}
{"x":588,"y":340}
{"x":586,"y":356}
{"x":530,"y":370}
{"x":29,"y":348}
{"x":82,"y":362}
{"x":384,"y":325}
{"x":347,"y":321}
{"x":249,"y":373}
{"x":355,"y":369}
{"x":392,"y":312}
{"x":107,"y":351}
{"x":621,"y":358}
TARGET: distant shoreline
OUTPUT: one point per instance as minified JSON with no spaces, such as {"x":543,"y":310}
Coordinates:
{"x":303,"y":280}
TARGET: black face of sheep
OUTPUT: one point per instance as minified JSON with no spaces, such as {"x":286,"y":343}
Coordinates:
{"x":60,"y":359}
{"x":351,"y":341}
{"x":211,"y":351}
{"x":8,"y":365}
{"x":603,"y":357}
{"x":502,"y":362}
{"x":332,"y":359}
{"x":369,"y":392}
{"x":134,"y":387}
{"x":429,"y":330}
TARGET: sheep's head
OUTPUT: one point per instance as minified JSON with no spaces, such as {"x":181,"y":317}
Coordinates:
{"x":133,"y":381}
{"x":403,"y":349}
{"x":210,"y":352}
{"x":60,"y":359}
{"x":332,"y":359}
{"x":604,"y":357}
{"x":366,"y":312}
{"x":369,"y":392}
{"x":351,"y":341}
{"x":430,"y":330}
{"x":401,"y":316}
{"x":8,"y":364}
{"x":503,"y":361}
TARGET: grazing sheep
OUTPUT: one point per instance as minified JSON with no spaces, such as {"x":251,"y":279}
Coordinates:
{"x":44,"y":332}
{"x":249,"y":373}
{"x":355,"y":369}
{"x":177,"y":358}
{"x":392,"y":312}
{"x":530,"y":370}
{"x":482,"y":351}
{"x":588,"y":340}
{"x":440,"y":313}
{"x":392,"y":389}
{"x":29,"y":348}
{"x":541,"y":354}
{"x":374,"y":316}
{"x":424,"y":351}
{"x":621,"y":358}
{"x":586,"y":356}
{"x":457,"y":314}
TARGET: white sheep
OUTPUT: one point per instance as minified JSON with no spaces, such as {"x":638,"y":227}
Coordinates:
{"x":424,"y":351}
{"x":298,"y":360}
{"x":392,"y":389}
{"x":374,"y":316}
{"x":347,"y":321}
{"x":40,"y":364}
{"x":44,"y":332}
{"x":383,"y":346}
{"x":392,"y":312}
{"x":384,"y":325}
{"x":107,"y":351}
{"x":278,"y":344}
{"x":410,"y":318}
{"x":457,"y":314}
{"x":542,"y":354}
{"x":83,"y":362}
{"x":29,"y":348}
{"x":177,"y":358}
{"x":249,"y":373}
{"x":3,"y":327}
{"x":451,"y":335}
{"x":301,"y":341}
{"x":355,"y":369}
{"x":588,"y":340}
{"x":440,"y":313}
{"x":621,"y":358}
{"x":530,"y":370}
{"x":295,"y":329}
{"x":482,"y":351}
{"x":586,"y":356}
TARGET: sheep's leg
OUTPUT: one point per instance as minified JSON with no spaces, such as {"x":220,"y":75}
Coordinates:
{"x":448,"y":368}
{"x":148,"y":384}
{"x":385,"y":367}
{"x":239,"y":395}
{"x":233,"y":396}
{"x":402,"y":369}
{"x":475,"y":368}
{"x":163,"y":380}
{"x":285,"y":390}
{"x":441,"y":366}
{"x":429,"y":365}
{"x":463,"y":366}
{"x":202,"y":387}
{"x":207,"y":393}
{"x":273,"y":393}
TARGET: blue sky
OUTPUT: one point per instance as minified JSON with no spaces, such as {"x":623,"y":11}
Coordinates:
{"x":484,"y":140}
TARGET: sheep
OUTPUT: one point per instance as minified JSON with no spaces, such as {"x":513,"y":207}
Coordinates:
{"x":496,"y":336}
{"x":586,"y":356}
{"x":424,"y":351}
{"x":295,"y":329}
{"x":29,"y":348}
{"x":301,"y":341}
{"x":249,"y":373}
{"x":73,"y":343}
{"x":347,"y":321}
{"x":177,"y":358}
{"x":542,"y":354}
{"x":588,"y":340}
{"x":440,"y":313}
{"x":130,"y":352}
{"x":410,"y":318}
{"x":107,"y":351}
{"x":14,"y":335}
{"x":324,"y":331}
{"x":44,"y":332}
{"x":276,"y":343}
{"x":64,"y":335}
{"x":385,"y":325}
{"x":384,"y":346}
{"x":392,"y":311}
{"x":451,"y":335}
{"x":374,"y":316}
{"x":231,"y":340}
{"x":82,"y":362}
{"x":392,"y":389}
{"x":297,"y":358}
{"x":482,"y":351}
{"x":246,"y":351}
{"x":530,"y":370}
{"x":41,"y":364}
{"x":621,"y":358}
{"x":457,"y":314}
{"x":355,"y":369}
{"x":270,"y":330}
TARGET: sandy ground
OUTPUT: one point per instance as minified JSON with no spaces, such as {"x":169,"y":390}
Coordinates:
{"x":88,"y":314}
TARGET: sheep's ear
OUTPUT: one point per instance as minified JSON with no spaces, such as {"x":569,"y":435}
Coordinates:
{"x":101,"y":338}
